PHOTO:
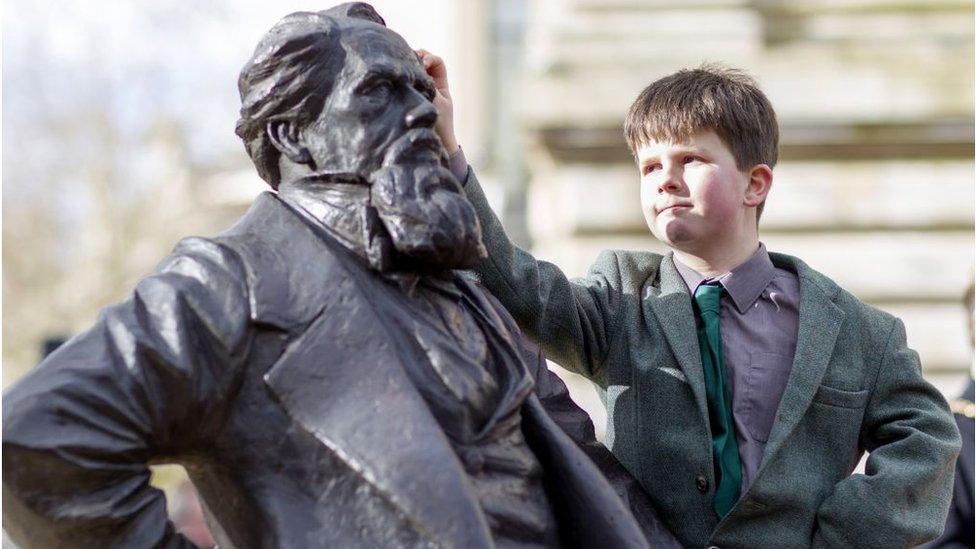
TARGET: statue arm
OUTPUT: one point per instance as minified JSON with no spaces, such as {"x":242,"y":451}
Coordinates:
{"x":148,"y":381}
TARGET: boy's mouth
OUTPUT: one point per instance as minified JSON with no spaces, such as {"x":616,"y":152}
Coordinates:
{"x":674,"y":208}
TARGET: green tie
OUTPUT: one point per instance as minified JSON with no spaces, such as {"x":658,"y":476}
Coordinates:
{"x":724,"y":446}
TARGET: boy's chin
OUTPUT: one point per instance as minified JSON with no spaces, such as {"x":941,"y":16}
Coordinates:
{"x":674,"y":233}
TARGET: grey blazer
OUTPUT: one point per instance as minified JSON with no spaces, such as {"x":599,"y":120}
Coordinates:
{"x":855,"y":386}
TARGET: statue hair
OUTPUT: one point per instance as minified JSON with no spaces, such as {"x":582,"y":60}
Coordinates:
{"x":291,"y":74}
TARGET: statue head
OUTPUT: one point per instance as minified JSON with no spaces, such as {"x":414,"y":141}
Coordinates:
{"x":336,"y":96}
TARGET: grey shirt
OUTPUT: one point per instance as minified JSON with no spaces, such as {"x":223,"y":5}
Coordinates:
{"x":759,"y":321}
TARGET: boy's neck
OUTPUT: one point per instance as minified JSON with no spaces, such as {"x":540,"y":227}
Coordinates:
{"x":716,"y":262}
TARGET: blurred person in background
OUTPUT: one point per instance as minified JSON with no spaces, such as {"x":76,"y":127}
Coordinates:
{"x":960,"y":526}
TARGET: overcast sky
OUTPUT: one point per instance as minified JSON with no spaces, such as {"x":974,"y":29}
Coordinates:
{"x":142,"y":60}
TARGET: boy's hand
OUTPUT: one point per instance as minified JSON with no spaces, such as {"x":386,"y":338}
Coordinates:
{"x":445,"y":108}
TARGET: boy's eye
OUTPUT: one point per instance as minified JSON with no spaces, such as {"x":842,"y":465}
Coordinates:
{"x":650,"y":168}
{"x":689,"y":159}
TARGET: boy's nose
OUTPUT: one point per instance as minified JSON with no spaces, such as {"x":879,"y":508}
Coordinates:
{"x":669,"y":183}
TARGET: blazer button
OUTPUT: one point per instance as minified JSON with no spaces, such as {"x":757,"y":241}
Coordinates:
{"x":702,"y":483}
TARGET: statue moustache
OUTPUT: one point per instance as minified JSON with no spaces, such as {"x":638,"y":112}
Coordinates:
{"x":430,"y":222}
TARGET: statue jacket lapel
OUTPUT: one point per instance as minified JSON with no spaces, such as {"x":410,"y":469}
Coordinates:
{"x":341,"y":377}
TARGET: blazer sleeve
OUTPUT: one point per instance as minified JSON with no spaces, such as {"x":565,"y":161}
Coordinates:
{"x":573,"y":321}
{"x":150,"y":380}
{"x":903,"y":497}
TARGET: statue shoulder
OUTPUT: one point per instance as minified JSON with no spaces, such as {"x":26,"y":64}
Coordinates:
{"x":292,"y":269}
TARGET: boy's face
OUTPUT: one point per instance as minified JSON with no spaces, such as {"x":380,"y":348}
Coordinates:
{"x":692,"y":194}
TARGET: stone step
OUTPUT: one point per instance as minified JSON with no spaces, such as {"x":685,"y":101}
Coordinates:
{"x":807,"y":196}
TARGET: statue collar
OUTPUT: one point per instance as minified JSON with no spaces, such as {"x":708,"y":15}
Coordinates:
{"x":339,"y":204}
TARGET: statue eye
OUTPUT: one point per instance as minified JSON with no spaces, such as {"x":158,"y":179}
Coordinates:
{"x":379,"y":90}
{"x":427,"y":91}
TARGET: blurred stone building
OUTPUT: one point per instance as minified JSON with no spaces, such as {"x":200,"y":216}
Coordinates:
{"x":875,"y":184}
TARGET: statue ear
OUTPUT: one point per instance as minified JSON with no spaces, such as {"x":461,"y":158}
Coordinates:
{"x":286,"y":137}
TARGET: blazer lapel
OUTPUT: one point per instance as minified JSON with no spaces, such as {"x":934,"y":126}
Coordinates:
{"x":672,"y":307}
{"x":819,"y":326}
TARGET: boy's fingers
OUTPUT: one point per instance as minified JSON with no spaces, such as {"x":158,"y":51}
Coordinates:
{"x":434,"y":66}
{"x":427,"y":57}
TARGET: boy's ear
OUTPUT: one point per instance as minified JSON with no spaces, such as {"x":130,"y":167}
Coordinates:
{"x":760,"y":181}
{"x":287,"y":138}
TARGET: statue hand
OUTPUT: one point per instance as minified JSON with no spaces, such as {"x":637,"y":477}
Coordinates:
{"x":445,"y":107}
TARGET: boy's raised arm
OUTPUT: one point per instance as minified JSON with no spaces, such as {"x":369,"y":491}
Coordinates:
{"x":572,"y":321}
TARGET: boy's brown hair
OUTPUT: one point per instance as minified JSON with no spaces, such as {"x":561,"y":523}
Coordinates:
{"x":711,"y":97}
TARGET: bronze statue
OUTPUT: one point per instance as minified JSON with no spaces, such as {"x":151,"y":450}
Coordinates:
{"x":323,"y":372}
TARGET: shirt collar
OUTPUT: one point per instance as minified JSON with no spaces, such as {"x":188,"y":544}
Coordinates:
{"x":744,"y":284}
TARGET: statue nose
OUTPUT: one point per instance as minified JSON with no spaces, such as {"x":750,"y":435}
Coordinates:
{"x":424,"y":115}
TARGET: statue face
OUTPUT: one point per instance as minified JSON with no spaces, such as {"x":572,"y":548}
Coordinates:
{"x":378,"y":123}
{"x":381,"y":94}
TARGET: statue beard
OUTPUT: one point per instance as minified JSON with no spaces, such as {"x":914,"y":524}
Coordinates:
{"x":430,"y":223}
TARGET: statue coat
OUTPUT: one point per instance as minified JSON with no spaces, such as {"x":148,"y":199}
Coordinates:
{"x":259,"y":360}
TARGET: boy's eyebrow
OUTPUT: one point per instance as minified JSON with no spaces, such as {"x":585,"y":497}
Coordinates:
{"x":648,"y":160}
{"x":678,"y":149}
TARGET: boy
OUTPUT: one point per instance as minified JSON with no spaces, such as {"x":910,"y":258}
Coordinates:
{"x":741,"y":386}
